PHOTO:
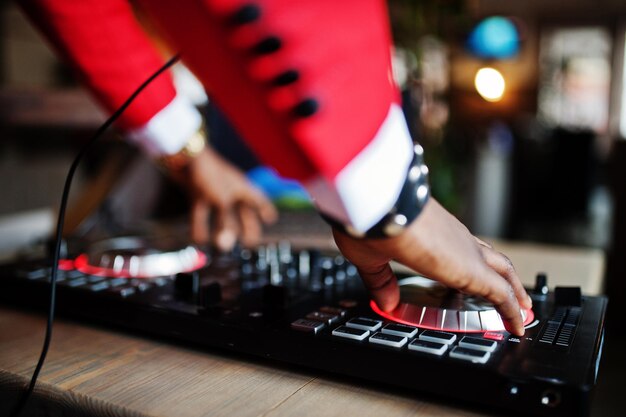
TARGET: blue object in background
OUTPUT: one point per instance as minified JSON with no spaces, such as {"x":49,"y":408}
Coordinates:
{"x":285,"y":193}
{"x":495,"y":37}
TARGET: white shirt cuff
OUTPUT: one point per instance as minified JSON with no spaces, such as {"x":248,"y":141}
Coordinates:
{"x":368,"y":187}
{"x":169,"y":130}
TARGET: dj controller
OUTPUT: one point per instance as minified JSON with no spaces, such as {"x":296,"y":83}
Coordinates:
{"x":308,"y":308}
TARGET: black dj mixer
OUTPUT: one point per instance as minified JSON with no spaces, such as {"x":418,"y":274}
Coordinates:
{"x":309,"y":308}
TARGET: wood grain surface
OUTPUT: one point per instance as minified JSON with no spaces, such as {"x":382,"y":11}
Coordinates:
{"x":94,"y":371}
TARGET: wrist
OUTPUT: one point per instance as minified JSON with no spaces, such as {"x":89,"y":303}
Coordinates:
{"x":413,"y":197}
{"x":169,"y":130}
{"x":196,"y":144}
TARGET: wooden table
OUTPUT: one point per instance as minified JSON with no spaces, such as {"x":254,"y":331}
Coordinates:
{"x":100,"y":372}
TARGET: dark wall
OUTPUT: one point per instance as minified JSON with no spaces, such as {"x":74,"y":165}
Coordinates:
{"x":616,"y":268}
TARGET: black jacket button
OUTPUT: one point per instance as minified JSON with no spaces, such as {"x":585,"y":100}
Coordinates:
{"x":267,"y":45}
{"x":285,"y":78}
{"x":246,"y":14}
{"x":307,"y":107}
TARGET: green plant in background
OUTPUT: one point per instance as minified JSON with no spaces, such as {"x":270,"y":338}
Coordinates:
{"x":444,"y":181}
{"x":438,"y":21}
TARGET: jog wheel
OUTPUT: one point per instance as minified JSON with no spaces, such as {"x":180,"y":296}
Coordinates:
{"x":134,"y":257}
{"x":430,"y":305}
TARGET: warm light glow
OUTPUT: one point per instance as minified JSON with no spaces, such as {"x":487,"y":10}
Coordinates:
{"x":489,"y":84}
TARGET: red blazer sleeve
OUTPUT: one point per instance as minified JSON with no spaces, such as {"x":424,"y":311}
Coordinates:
{"x":103,"y":42}
{"x":307,"y":83}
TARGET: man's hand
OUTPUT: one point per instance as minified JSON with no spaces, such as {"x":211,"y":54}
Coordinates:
{"x":236,"y":207}
{"x":437,"y":245}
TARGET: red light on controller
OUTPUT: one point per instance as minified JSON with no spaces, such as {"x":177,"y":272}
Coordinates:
{"x":66,"y":264}
{"x":494,"y":336}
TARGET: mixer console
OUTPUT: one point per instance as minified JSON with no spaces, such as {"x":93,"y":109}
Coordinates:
{"x":309,"y":308}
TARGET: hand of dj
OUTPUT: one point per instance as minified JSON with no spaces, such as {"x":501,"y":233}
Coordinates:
{"x":438,"y":246}
{"x":237,"y":209}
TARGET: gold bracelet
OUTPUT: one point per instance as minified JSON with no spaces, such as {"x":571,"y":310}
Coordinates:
{"x":194,"y":147}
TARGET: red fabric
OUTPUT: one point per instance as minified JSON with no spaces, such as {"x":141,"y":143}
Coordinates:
{"x":341,"y":48}
{"x":105,"y":44}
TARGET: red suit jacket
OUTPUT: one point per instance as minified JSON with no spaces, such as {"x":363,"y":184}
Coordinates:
{"x":307,"y":83}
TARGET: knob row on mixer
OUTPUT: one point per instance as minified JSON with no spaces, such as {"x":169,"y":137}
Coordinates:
{"x":279,"y":265}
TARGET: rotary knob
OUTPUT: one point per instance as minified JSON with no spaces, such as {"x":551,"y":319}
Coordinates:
{"x":187,"y":284}
{"x":210,"y":295}
{"x":541,"y":284}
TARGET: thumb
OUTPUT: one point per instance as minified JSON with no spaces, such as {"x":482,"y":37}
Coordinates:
{"x":382,"y":285}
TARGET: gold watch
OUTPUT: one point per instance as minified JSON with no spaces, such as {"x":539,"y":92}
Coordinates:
{"x":194,"y":147}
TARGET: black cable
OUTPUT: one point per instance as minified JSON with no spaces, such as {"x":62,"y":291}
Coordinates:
{"x":59,"y":231}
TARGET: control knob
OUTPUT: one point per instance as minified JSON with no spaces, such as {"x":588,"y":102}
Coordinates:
{"x":187,"y":284}
{"x":541,"y":284}
{"x":210,"y":295}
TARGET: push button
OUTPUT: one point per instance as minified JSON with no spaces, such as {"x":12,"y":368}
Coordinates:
{"x":478,"y":344}
{"x":388,"y":340}
{"x":351,"y":333}
{"x":116,"y":282}
{"x":494,"y":336}
{"x":78,"y":282}
{"x":364,"y":324}
{"x":160,"y":282}
{"x":123,"y":291}
{"x":333,"y":310}
{"x":400,"y":330}
{"x":141,"y":285}
{"x":428,"y":347}
{"x":472,"y":355}
{"x":35,"y":273}
{"x":72,"y":273}
{"x":438,"y":337}
{"x":311,"y":326}
{"x":323,"y":317}
{"x":100,"y":286}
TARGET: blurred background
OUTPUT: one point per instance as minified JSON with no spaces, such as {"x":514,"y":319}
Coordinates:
{"x":521,"y":106}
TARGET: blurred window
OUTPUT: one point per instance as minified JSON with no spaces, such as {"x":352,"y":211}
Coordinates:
{"x":575,"y":75}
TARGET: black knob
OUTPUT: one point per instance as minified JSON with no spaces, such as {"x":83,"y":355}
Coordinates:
{"x":210,"y":295}
{"x":541,"y":284}
{"x":275,"y":297}
{"x":187,"y":284}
